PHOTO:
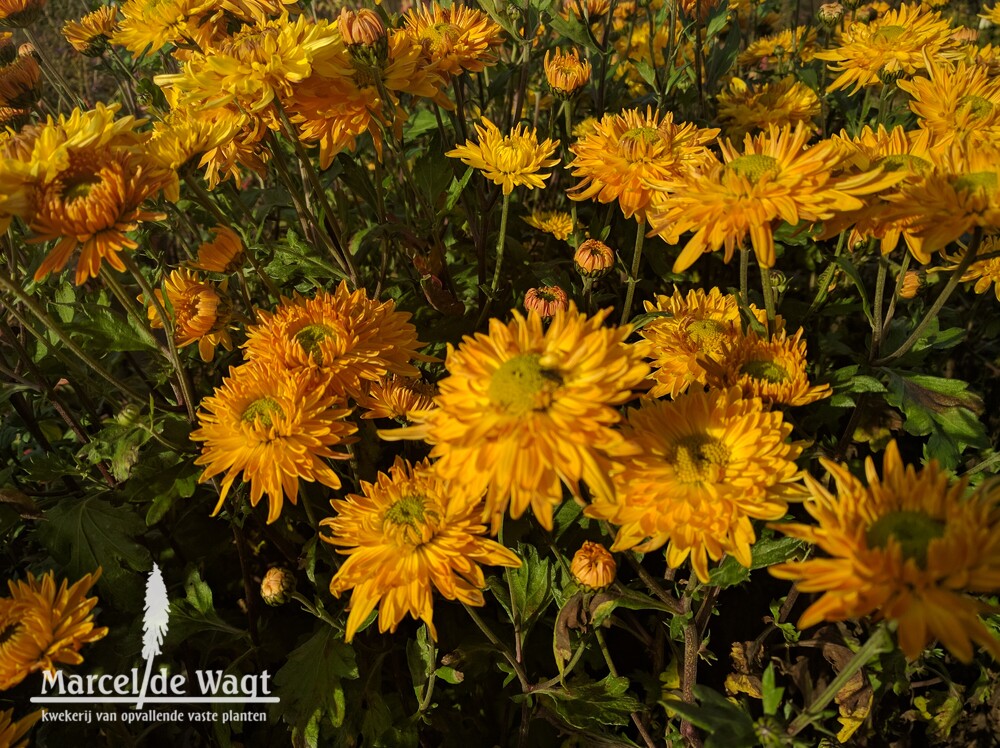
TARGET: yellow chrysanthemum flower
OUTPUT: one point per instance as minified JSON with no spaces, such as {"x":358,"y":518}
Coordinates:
{"x":454,"y":39}
{"x":555,"y":222}
{"x":908,"y":547}
{"x":14,"y":734}
{"x":991,"y":14}
{"x":890,"y":47}
{"x":90,"y":35}
{"x":708,"y":464}
{"x":155,"y":23}
{"x":745,"y":108}
{"x":960,"y":193}
{"x":528,"y":408}
{"x":201,"y":312}
{"x":631,"y":155}
{"x":42,"y":626}
{"x":961,"y":102}
{"x":786,"y":46}
{"x":223,"y":254}
{"x":397,"y":397}
{"x":273,"y":426}
{"x":698,"y":327}
{"x":772,"y":369}
{"x":986,"y":273}
{"x":775,"y":178}
{"x":903,"y":152}
{"x":508,"y":160}
{"x":19,"y":14}
{"x":409,"y":534}
{"x":337,"y":340}
{"x":181,"y":135}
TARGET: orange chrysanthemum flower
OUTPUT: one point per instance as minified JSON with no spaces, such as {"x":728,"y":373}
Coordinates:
{"x":566,"y":73}
{"x":275,"y":428}
{"x":42,"y":626}
{"x":336,"y":340}
{"x":708,"y":464}
{"x":744,"y":108}
{"x":631,"y":155}
{"x":909,"y":547}
{"x":529,"y":408}
{"x":90,"y":35}
{"x":20,"y":79}
{"x":200,"y":312}
{"x":397,"y":397}
{"x":223,"y":254}
{"x":508,"y":160}
{"x":454,"y":39}
{"x":986,"y":273}
{"x":19,"y":14}
{"x":961,"y":103}
{"x":408,"y":534}
{"x":557,"y":223}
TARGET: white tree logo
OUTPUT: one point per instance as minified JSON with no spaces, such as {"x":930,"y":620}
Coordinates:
{"x":154,"y":624}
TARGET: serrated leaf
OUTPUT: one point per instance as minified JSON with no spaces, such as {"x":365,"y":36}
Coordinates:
{"x":592,"y":706}
{"x":531,"y":586}
{"x":310,"y":680}
{"x":89,"y":533}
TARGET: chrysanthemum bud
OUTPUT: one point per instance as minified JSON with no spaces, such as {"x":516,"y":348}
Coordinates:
{"x":566,"y":73}
{"x":593,"y":566}
{"x":913,"y":281}
{"x":364,"y":33}
{"x":278,"y":586}
{"x":853,"y":4}
{"x":594,"y":258}
{"x":891,"y":72}
{"x":546,"y":300}
{"x":829,"y":14}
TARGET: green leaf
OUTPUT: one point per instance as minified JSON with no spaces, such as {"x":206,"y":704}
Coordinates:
{"x":771,"y":692}
{"x":420,"y":656}
{"x":310,"y":681}
{"x":90,"y":533}
{"x":531,"y":586}
{"x":455,"y":191}
{"x":104,"y":331}
{"x":728,"y":725}
{"x":855,"y":276}
{"x":194,"y":616}
{"x":592,"y":706}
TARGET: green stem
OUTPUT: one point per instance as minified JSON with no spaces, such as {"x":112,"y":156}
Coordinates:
{"x":967,"y":259}
{"x":522,"y":677}
{"x":640,"y":235}
{"x":900,"y":279}
{"x":501,"y":241}
{"x":63,"y":338}
{"x":745,"y":276}
{"x":767,"y":286}
{"x":131,"y":308}
{"x":878,"y":643}
{"x":883,"y":271}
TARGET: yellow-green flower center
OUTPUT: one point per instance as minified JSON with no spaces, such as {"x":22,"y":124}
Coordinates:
{"x":767,"y":370}
{"x":634,"y":144}
{"x":521,"y":385}
{"x":976,"y":106}
{"x":440,"y":37}
{"x":889,"y":33}
{"x":80,"y":187}
{"x":707,"y":334}
{"x":904,"y":162}
{"x":699,"y":458}
{"x":754,"y":166}
{"x":409,"y":510}
{"x":912,"y":530}
{"x":310,"y":336}
{"x":261,"y":410}
{"x":983,"y":182}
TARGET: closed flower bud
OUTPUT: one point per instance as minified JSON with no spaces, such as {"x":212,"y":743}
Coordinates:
{"x":829,"y":14}
{"x":913,"y":281}
{"x":566,"y":73}
{"x":278,"y":586}
{"x":594,"y":258}
{"x":546,"y":300}
{"x":365,"y":37}
{"x":593,"y":566}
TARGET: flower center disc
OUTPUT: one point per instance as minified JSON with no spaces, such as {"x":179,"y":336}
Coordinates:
{"x":904,"y":162}
{"x":310,"y":336}
{"x":888,"y":33}
{"x":707,"y":334}
{"x":976,"y":106}
{"x":80,"y":187}
{"x":984,"y":182}
{"x":261,"y":410}
{"x":769,"y":371}
{"x":521,"y":385}
{"x":912,"y":530}
{"x":699,"y":458}
{"x":635,"y":143}
{"x":754,"y":166}
{"x":441,"y":36}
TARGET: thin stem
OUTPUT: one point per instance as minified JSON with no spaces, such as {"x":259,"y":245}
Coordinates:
{"x":666,"y":598}
{"x":640,"y":235}
{"x":967,"y":259}
{"x":878,"y":643}
{"x":504,"y":649}
{"x":883,"y":271}
{"x":745,"y":276}
{"x":647,"y":738}
{"x":501,"y":241}
{"x":900,"y":279}
{"x":767,"y":286}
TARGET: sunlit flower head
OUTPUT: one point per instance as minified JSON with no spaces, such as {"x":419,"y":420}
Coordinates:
{"x":774,"y":178}
{"x":90,"y":35}
{"x":508,"y":160}
{"x":910,"y":546}
{"x":527,"y":408}
{"x":397,"y":397}
{"x":986,"y":273}
{"x":782,"y":48}
{"x":961,"y":102}
{"x":408,"y":534}
{"x":709,"y":463}
{"x":14,"y":733}
{"x":593,"y":567}
{"x":697,"y":327}
{"x":223,"y":254}
{"x":201,"y":312}
{"x":566,"y":73}
{"x":181,"y":136}
{"x":890,"y":47}
{"x":745,"y":108}
{"x":155,"y":23}
{"x":991,"y":14}
{"x":454,"y":39}
{"x":338,"y":340}
{"x":19,"y":14}
{"x":631,"y":155}
{"x":546,"y":300}
{"x":361,"y":28}
{"x":43,"y":626}
{"x":557,"y":223}
{"x":273,"y":427}
{"x":594,"y":258}
{"x":20,"y":79}
{"x":772,"y":369}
